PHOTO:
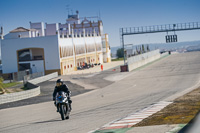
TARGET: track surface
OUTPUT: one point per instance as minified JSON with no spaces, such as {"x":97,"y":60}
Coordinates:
{"x":94,"y":109}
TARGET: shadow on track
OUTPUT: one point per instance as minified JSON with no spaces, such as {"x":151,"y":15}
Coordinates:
{"x":49,"y":121}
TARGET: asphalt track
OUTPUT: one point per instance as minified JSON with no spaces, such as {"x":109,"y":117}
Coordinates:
{"x":47,"y":89}
{"x":94,"y":109}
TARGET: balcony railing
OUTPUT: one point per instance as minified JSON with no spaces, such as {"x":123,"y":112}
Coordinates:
{"x":34,"y":58}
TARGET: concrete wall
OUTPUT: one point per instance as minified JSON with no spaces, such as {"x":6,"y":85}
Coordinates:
{"x":43,"y":78}
{"x":140,"y":60}
{"x":38,"y":26}
{"x":51,"y":29}
{"x":10,"y":46}
{"x":34,"y":90}
{"x":6,"y":98}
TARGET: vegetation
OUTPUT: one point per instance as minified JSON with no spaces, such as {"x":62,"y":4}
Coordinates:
{"x":2,"y":90}
{"x":118,"y":59}
{"x":25,"y":88}
{"x":181,"y":111}
{"x":3,"y":86}
{"x":120,"y":53}
{"x":7,"y":85}
{"x":143,"y":50}
{"x":148,"y":49}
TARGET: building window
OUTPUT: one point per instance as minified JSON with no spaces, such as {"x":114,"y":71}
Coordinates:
{"x":38,"y":57}
{"x":24,"y":66}
{"x":24,"y":55}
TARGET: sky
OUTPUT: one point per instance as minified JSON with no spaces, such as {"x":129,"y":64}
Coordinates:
{"x":115,"y":14}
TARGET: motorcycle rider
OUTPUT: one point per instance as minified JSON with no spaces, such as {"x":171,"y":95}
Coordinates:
{"x":60,"y":86}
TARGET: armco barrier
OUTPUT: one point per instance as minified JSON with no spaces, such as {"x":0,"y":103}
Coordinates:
{"x":43,"y":78}
{"x":140,"y":60}
{"x":12,"y":97}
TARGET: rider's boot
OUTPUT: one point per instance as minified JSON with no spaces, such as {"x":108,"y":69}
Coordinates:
{"x":70,"y":106}
{"x":57,"y":109}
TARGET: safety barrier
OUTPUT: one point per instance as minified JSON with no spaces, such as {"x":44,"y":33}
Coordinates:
{"x":140,"y":60}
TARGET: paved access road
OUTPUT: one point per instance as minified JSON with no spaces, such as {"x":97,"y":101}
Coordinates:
{"x":94,"y":109}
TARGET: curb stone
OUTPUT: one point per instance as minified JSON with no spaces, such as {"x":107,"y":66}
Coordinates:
{"x":176,"y":129}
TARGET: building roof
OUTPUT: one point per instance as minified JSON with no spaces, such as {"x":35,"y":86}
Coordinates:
{"x":21,"y":29}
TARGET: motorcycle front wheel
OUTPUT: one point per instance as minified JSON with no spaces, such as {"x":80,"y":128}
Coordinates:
{"x":62,"y":111}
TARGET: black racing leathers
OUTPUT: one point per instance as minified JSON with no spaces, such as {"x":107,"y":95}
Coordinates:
{"x":65,"y":89}
{"x":61,"y":88}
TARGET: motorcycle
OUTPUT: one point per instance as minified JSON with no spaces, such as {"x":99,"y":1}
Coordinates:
{"x":63,"y":105}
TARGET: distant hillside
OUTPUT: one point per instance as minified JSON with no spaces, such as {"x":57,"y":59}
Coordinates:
{"x":166,"y":46}
{"x":193,"y":48}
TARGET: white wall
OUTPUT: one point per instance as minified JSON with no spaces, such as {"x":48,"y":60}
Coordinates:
{"x":51,"y":29}
{"x":10,"y":47}
{"x":16,"y":35}
{"x":38,"y":26}
{"x":101,"y":58}
{"x":36,"y":66}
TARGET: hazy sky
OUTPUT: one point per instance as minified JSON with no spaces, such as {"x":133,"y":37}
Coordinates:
{"x":114,"y":14}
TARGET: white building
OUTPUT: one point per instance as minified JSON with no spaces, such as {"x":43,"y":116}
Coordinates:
{"x":55,"y":47}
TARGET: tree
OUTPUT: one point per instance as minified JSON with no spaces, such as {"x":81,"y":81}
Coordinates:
{"x":140,"y":49}
{"x":148,"y":48}
{"x":120,"y":53}
{"x":1,"y":85}
{"x":143,"y":50}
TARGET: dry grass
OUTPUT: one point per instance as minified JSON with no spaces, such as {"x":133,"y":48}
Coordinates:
{"x":181,"y":111}
{"x":7,"y":88}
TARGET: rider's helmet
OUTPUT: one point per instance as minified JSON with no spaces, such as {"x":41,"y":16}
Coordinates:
{"x":59,"y":82}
